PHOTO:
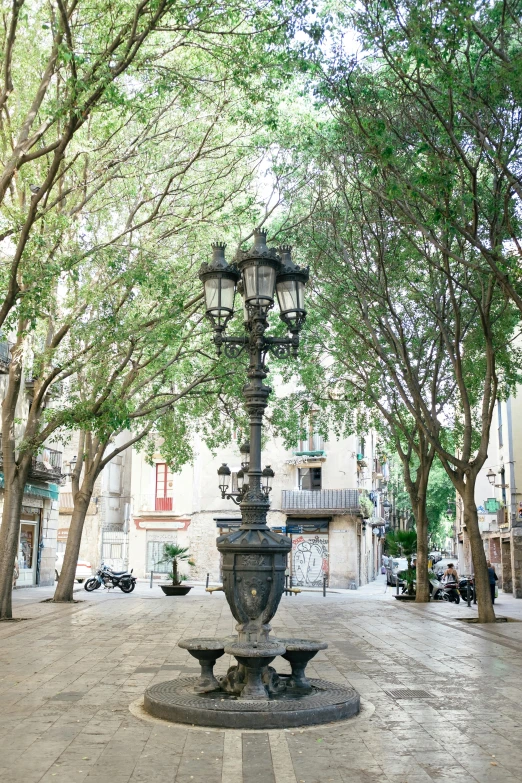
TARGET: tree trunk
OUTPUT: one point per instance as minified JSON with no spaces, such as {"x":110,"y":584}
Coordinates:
{"x":421,"y":521}
{"x":10,"y":533}
{"x":65,"y":586}
{"x":486,"y":612}
{"x":174,"y":572}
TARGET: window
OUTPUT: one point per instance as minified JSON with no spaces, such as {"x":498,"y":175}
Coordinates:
{"x":114,"y":478}
{"x":499,"y":416}
{"x":313,"y":440}
{"x":309,"y":478}
{"x":164,"y":487}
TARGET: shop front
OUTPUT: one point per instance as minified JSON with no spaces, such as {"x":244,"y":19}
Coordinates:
{"x":29,"y":547}
{"x":310,"y":550}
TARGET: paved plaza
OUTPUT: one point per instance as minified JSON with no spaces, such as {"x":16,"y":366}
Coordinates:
{"x":72,"y":677}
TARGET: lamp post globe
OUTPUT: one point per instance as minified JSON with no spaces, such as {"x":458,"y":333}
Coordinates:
{"x":258,"y":267}
{"x":290,"y":287}
{"x":219,"y":282}
{"x":224,"y":474}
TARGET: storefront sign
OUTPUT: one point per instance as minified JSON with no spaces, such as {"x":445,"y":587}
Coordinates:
{"x":494,"y":550}
{"x":157,"y":524}
{"x":164,"y":538}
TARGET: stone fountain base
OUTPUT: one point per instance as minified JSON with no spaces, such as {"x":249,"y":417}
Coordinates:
{"x":176,"y":701}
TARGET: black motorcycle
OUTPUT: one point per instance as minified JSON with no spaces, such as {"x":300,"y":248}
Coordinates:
{"x":450,"y":592}
{"x":465,"y":584}
{"x":109,"y":579}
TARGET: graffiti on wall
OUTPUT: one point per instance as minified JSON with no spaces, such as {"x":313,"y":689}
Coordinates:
{"x":309,"y":560}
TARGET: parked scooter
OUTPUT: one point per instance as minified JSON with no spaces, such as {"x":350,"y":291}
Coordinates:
{"x":465,"y":584}
{"x":451,"y":592}
{"x":436,"y":589}
{"x":110,"y":579}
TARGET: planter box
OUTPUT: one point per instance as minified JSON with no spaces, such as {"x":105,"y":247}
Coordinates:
{"x":404,"y":597}
{"x":175,"y":589}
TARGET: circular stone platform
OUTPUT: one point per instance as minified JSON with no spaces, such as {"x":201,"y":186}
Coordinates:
{"x":175,"y":700}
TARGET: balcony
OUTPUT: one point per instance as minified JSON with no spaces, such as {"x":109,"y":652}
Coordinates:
{"x":5,"y":355}
{"x":148,"y":503}
{"x":46,"y":465}
{"x":335,"y":501}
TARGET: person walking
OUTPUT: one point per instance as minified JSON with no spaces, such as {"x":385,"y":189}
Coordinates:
{"x":492,"y":580}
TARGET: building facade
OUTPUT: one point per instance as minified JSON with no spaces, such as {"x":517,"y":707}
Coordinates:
{"x":105,"y":533}
{"x":316,"y":500}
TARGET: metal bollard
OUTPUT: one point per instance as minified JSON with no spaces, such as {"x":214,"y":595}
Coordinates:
{"x":468,"y":594}
{"x":324,"y":587}
{"x":397,"y":584}
{"x":474,"y":591}
{"x":151,"y":575}
{"x":206,"y":584}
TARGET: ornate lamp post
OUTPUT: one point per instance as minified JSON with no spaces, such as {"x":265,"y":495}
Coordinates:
{"x":254,"y":556}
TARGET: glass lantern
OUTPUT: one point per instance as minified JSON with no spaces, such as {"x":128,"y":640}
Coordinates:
{"x":290,"y":287}
{"x":224,"y":478}
{"x":219,"y":281}
{"x":259,"y":267}
{"x":268,"y":476}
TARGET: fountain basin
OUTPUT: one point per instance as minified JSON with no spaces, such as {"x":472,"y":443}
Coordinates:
{"x":176,"y":701}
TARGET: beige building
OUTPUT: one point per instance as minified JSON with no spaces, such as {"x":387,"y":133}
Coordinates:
{"x":105,"y":533}
{"x":499,"y":499}
{"x":315,"y":500}
{"x":39,"y":514}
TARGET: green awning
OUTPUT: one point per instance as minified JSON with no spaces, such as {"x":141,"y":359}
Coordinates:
{"x":52,"y":491}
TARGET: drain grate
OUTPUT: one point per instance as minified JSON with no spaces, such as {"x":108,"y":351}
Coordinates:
{"x":404,"y":693}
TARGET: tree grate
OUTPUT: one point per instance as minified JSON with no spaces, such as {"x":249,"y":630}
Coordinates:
{"x":405,"y":693}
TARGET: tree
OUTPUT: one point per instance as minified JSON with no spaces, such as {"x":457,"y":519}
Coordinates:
{"x":413,"y":278}
{"x":442,"y":92}
{"x":125,"y":144}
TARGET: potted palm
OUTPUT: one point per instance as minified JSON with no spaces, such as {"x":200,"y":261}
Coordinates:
{"x":172,"y":553}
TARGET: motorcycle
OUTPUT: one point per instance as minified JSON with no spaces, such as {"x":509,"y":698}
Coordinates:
{"x":451,"y":592}
{"x":465,"y":584}
{"x":110,"y":579}
{"x":444,"y":591}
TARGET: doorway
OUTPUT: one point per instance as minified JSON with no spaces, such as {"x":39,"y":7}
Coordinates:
{"x":27,"y":553}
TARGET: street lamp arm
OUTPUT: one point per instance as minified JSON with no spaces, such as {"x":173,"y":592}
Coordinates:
{"x":235,"y":496}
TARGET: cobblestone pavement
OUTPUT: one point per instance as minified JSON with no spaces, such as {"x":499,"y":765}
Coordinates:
{"x":69,"y":674}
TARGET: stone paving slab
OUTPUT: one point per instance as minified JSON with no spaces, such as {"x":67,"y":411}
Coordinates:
{"x":69,"y":674}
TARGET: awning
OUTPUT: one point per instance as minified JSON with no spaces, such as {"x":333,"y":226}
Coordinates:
{"x":52,"y":491}
{"x":306,"y":524}
{"x":228,"y":521}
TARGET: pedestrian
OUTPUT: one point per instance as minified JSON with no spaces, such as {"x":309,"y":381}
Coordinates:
{"x":450,"y":574}
{"x":492,"y":581}
{"x":16,"y":572}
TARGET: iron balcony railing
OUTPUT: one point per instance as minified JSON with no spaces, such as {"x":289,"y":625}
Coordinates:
{"x":149,"y":502}
{"x":5,"y":353}
{"x":46,"y":465}
{"x":304,"y":500}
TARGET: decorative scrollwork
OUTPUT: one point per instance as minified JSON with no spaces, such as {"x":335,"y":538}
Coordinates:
{"x":233,"y":351}
{"x":279,"y":351}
